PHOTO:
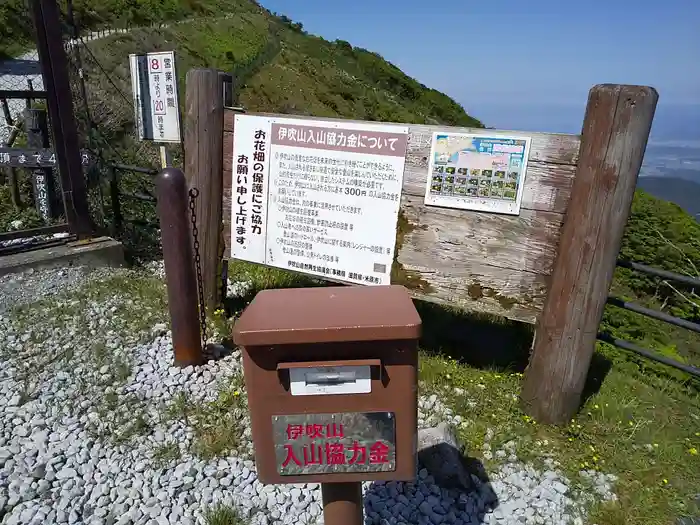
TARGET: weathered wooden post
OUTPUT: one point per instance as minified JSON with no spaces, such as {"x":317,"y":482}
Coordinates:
{"x":171,"y":188}
{"x":54,"y":68}
{"x":615,"y":132}
{"x":204,"y":120}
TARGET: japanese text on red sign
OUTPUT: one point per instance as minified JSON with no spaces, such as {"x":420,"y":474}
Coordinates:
{"x":323,"y":452}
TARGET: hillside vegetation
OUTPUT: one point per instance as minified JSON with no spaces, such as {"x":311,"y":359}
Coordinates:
{"x":16,"y":29}
{"x":277,"y":67}
{"x":685,"y":193}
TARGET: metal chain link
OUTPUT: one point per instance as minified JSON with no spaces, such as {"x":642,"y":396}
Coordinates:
{"x":194,"y":193}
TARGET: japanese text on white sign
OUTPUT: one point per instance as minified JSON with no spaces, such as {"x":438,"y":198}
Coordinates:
{"x":154,"y":85}
{"x":317,"y":197}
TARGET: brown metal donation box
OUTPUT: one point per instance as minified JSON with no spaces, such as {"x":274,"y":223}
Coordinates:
{"x":331,"y":375}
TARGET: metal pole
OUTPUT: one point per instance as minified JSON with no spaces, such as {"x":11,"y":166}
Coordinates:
{"x":171,"y":191}
{"x":114,"y":200}
{"x":342,"y":503}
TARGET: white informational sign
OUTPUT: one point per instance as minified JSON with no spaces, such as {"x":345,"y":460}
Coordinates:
{"x":477,"y":172}
{"x":154,"y":85}
{"x":317,"y":197}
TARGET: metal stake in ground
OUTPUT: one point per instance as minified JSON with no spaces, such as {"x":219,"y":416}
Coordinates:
{"x":342,"y":503}
{"x":171,"y":190}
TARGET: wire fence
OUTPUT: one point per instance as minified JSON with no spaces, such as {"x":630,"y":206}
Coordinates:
{"x":25,"y":220}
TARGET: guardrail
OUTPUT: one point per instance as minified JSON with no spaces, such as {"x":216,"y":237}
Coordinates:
{"x":116,"y":195}
{"x":684,"y":280}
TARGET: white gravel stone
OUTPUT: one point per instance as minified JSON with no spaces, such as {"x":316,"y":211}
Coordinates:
{"x":76,"y":372}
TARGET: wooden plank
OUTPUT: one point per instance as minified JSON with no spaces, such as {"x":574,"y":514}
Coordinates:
{"x":476,"y":287}
{"x":546,"y":147}
{"x":615,"y":133}
{"x":204,"y":109}
{"x":445,"y":237}
{"x":547,"y":186}
{"x":491,"y":263}
{"x":34,"y":232}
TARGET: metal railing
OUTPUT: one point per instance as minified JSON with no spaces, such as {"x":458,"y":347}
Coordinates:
{"x":684,"y":280}
{"x":116,"y":196}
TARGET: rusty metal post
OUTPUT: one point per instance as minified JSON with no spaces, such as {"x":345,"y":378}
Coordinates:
{"x":171,"y":191}
{"x":342,"y":503}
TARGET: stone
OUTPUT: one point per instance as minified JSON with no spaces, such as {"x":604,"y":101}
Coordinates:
{"x":440,"y":452}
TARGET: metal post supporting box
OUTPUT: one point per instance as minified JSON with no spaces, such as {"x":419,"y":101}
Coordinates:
{"x":331,"y":375}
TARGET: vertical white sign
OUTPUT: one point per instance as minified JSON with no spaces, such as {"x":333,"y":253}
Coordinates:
{"x":154,"y":86}
{"x":332,"y":198}
{"x":249,"y":189}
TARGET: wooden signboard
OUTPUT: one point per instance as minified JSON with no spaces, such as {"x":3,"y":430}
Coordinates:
{"x":479,"y":261}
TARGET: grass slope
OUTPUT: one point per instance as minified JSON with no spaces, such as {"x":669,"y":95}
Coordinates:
{"x":277,"y":68}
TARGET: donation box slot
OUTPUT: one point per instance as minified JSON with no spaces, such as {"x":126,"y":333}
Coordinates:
{"x":331,"y":376}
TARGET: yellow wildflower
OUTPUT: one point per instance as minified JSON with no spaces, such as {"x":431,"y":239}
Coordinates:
{"x":693,"y":451}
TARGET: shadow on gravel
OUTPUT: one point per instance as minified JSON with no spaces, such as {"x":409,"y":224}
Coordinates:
{"x":435,"y":497}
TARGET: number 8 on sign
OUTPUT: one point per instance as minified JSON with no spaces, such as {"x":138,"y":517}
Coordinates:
{"x":155,"y":64}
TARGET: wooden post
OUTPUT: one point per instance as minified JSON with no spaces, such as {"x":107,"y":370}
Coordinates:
{"x":54,"y":68}
{"x":204,"y":124}
{"x":615,"y":132}
{"x":15,"y":195}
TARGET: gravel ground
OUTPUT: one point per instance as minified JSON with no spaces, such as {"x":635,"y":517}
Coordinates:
{"x":85,"y":384}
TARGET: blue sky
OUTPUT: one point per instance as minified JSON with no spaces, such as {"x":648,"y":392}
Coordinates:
{"x":528,"y":64}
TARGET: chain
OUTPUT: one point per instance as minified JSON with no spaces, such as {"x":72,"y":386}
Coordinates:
{"x":194,"y":193}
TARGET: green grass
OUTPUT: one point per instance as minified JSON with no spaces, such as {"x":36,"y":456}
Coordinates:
{"x":641,"y":425}
{"x":216,"y":424}
{"x":137,"y":301}
{"x":166,"y":454}
{"x":222,"y":515}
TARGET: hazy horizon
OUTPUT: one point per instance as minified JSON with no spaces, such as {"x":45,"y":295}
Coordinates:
{"x":531,"y":68}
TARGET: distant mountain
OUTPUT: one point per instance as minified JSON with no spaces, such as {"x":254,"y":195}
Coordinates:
{"x":683,"y":192}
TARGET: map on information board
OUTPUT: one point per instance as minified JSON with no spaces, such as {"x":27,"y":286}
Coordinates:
{"x":477,"y":172}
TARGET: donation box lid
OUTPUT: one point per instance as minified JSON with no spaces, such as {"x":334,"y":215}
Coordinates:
{"x":328,"y":315}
